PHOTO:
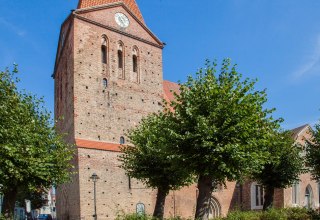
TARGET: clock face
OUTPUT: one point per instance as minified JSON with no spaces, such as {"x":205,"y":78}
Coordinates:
{"x":122,"y":20}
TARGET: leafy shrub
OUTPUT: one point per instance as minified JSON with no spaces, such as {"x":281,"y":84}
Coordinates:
{"x":240,"y":215}
{"x":133,"y":217}
{"x":315,"y":215}
{"x":297,"y":214}
{"x":140,"y":217}
{"x":274,"y":214}
{"x":3,"y":218}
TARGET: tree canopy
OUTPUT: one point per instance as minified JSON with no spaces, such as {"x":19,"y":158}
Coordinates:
{"x":283,"y":167}
{"x":313,"y":152}
{"x":224,"y":126}
{"x":32,"y":153}
{"x":151,"y":160}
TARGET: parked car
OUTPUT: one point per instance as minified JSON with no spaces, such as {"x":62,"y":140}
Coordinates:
{"x":44,"y":217}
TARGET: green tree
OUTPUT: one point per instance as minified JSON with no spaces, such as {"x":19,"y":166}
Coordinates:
{"x":150,"y":160}
{"x":283,"y":167}
{"x":32,"y":153}
{"x":313,"y":152}
{"x":224,"y":126}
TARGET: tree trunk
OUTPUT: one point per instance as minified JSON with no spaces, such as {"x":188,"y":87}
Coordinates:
{"x":268,"y":198}
{"x":9,"y":202}
{"x":160,"y":202}
{"x":203,"y":201}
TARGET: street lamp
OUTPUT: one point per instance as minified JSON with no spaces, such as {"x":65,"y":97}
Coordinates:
{"x":94,"y":178}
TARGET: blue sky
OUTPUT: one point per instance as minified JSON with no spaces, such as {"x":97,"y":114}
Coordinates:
{"x":276,"y":41}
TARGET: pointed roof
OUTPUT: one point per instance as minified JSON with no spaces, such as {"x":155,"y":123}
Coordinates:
{"x":131,"y":4}
{"x":298,"y":130}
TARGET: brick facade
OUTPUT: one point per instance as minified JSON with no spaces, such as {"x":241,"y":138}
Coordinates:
{"x":96,"y":102}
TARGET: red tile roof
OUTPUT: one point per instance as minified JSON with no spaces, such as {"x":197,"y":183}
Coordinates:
{"x":97,"y":145}
{"x":131,"y":4}
{"x":169,"y":88}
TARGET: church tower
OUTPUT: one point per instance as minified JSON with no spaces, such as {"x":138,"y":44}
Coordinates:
{"x":108,"y":75}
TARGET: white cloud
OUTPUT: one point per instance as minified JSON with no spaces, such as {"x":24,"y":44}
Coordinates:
{"x":312,"y":65}
{"x":12,"y":27}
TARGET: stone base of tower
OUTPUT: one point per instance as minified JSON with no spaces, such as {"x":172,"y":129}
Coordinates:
{"x":117,"y":194}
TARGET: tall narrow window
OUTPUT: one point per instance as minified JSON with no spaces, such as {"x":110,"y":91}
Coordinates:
{"x":120,"y":55}
{"x":104,"y":54}
{"x":105,"y":83}
{"x":104,"y":50}
{"x":295,"y":193}
{"x":120,"y":59}
{"x":257,"y":195}
{"x":135,"y":63}
{"x":122,"y":140}
{"x":129,"y":182}
{"x":308,"y":199}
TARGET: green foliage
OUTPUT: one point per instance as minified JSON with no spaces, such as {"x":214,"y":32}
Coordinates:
{"x":313,"y":152}
{"x":239,"y":215}
{"x":32,"y":153}
{"x":151,"y":159}
{"x":315,"y":215}
{"x":224,"y":123}
{"x":271,"y":214}
{"x":274,"y":214}
{"x":133,"y":217}
{"x":284,"y":165}
{"x":299,"y":214}
{"x":140,"y":217}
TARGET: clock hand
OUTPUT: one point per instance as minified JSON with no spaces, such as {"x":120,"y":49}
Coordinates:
{"x":122,"y":20}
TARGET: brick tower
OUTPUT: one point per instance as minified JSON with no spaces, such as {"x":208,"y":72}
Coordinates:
{"x":108,"y":75}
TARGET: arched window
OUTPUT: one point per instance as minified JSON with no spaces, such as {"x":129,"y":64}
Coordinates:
{"x":214,"y":208}
{"x":135,"y":59}
{"x":122,"y":140}
{"x":120,"y":55}
{"x":257,"y":195}
{"x":104,"y":50}
{"x":308,"y":199}
{"x":105,"y":83}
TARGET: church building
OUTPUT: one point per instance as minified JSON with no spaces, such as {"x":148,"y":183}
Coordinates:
{"x":108,"y":75}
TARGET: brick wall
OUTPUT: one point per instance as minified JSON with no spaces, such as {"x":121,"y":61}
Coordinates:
{"x":91,"y":111}
{"x":68,"y":199}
